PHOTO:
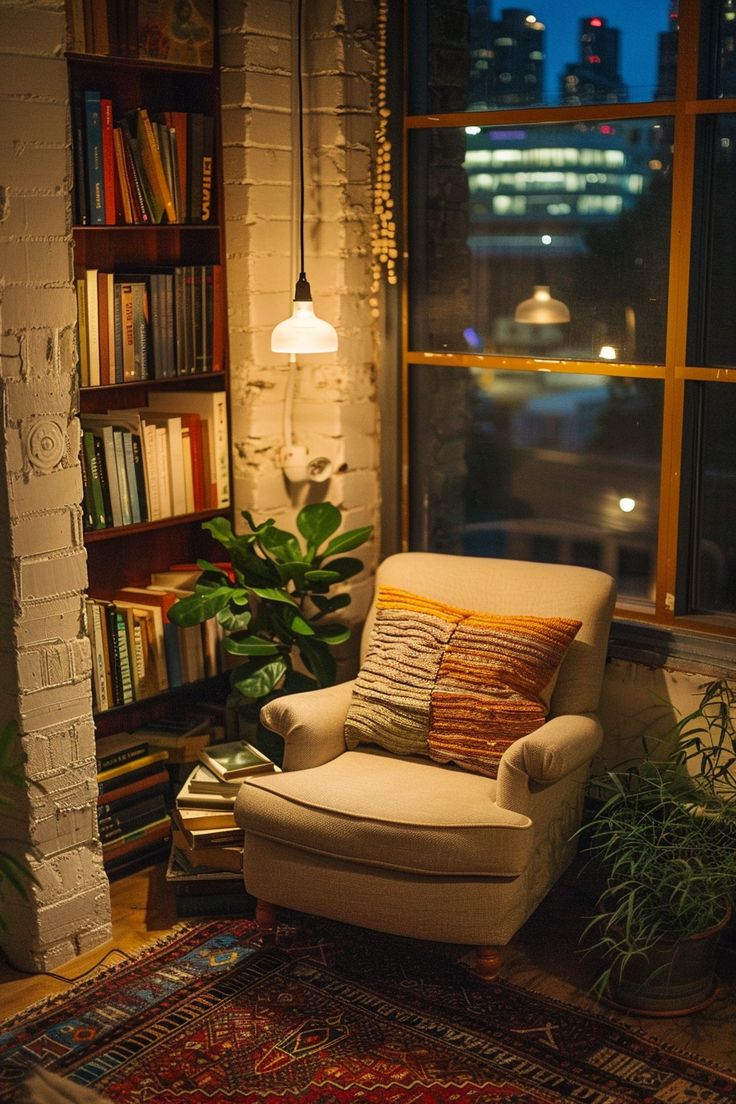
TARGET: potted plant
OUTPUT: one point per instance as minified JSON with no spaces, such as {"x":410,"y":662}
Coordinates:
{"x":663,"y":842}
{"x":14,"y":869}
{"x":273,"y":601}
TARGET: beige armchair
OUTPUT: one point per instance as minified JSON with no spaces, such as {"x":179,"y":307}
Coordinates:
{"x":406,"y":845}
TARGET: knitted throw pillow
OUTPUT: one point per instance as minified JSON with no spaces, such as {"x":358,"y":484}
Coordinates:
{"x":452,"y":684}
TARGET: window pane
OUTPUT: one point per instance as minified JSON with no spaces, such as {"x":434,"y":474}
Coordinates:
{"x":712,"y":318}
{"x":721,"y":80}
{"x":581,"y":210}
{"x":469,"y":55}
{"x":546,"y":466}
{"x":712,"y":409}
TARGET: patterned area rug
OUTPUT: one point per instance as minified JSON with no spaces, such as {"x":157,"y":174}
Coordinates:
{"x":332,"y":1015}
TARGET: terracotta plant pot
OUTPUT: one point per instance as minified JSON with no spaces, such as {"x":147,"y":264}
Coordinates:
{"x":674,"y":979}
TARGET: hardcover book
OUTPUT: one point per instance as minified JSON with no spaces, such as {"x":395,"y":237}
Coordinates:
{"x":235,"y":759}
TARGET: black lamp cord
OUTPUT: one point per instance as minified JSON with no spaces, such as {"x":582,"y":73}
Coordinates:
{"x":303,"y":291}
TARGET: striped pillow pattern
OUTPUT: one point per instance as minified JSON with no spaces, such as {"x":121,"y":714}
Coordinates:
{"x":452,"y":684}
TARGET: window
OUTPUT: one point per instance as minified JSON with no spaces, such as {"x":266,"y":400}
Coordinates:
{"x":570,"y":338}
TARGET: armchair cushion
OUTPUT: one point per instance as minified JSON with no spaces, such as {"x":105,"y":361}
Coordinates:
{"x":403,"y":814}
{"x":455,"y":685}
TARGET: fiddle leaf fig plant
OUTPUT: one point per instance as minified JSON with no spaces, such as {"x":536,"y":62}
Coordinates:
{"x":274,"y":603}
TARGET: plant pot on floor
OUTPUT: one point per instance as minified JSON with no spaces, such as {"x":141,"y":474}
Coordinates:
{"x":671,"y":979}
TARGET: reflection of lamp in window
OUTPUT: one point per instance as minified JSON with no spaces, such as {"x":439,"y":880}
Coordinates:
{"x":303,"y":332}
{"x":607,"y":352}
{"x":542,"y":309}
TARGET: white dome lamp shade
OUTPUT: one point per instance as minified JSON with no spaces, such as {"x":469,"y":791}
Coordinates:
{"x":303,"y":332}
{"x":541,"y":309}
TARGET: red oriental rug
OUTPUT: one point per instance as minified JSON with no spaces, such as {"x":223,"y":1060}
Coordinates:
{"x":333,"y":1015}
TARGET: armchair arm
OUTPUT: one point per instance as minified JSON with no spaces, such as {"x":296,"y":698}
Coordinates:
{"x":312,"y":724}
{"x":545,"y":756}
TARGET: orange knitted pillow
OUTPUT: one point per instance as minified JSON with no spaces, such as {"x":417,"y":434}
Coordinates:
{"x":452,"y":684}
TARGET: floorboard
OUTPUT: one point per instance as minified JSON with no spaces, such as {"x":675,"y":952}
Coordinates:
{"x":544,"y":956}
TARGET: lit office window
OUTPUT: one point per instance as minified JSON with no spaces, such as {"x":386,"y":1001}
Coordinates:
{"x":482,"y":241}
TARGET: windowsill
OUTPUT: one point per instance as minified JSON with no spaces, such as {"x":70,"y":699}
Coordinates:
{"x":677,"y":649}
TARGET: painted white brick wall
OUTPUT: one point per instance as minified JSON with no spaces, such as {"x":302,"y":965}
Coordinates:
{"x":44,"y":654}
{"x":335,"y":400}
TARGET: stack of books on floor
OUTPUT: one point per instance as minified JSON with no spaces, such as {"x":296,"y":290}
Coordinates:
{"x":206,"y":859}
{"x":132,"y":812}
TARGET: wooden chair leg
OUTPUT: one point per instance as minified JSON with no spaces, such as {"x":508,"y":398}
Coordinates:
{"x":488,"y":962}
{"x":267,"y":918}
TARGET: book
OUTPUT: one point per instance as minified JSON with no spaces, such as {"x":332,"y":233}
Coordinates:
{"x":92,"y":318}
{"x":94,"y":158}
{"x":118,"y":824}
{"x":90,"y":461}
{"x":131,"y":785}
{"x":118,"y":748}
{"x":181,"y":868}
{"x":154,"y":167}
{"x":235,"y":759}
{"x":212,"y":409}
{"x":100,"y":662}
{"x":192,"y":818}
{"x":197,"y":838}
{"x":133,"y":766}
{"x":220,"y":857}
{"x":223,"y":799}
{"x":183,"y":740}
{"x":137,"y":839}
{"x":82,"y":330}
{"x":203,"y":782}
{"x":108,"y":161}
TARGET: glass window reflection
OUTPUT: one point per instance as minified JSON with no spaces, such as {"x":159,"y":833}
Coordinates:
{"x":532,"y":465}
{"x":580,"y":211}
{"x":474,"y":55}
{"x":712,"y":486}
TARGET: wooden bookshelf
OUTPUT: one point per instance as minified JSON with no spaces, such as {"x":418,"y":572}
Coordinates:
{"x":125,"y":555}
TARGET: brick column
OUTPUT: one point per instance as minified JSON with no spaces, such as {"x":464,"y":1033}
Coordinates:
{"x":45,"y":661}
{"x":335,"y":405}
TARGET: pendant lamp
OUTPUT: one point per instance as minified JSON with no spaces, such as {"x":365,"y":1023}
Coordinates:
{"x":303,"y":332}
{"x":541,"y":309}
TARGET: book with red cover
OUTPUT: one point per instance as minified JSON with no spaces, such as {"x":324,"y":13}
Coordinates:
{"x":108,"y":160}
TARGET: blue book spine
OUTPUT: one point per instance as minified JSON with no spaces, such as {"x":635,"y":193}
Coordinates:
{"x":95,"y":177}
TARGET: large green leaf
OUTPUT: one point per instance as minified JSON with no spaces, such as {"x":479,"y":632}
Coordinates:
{"x":333,"y":634}
{"x":250,"y":646}
{"x":252,"y":567}
{"x":283,"y":546}
{"x":329,"y":605}
{"x":273,"y":594}
{"x":211,"y":572}
{"x":345,"y":542}
{"x":232,"y":619}
{"x":318,"y":659}
{"x":222,"y":531}
{"x":257,"y":679}
{"x":322,"y":575}
{"x":196,"y":608}
{"x":293,"y":571}
{"x":345,"y":566}
{"x":296,"y":622}
{"x":316,"y":522}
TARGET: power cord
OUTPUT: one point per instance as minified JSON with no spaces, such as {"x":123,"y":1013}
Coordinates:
{"x":60,"y":977}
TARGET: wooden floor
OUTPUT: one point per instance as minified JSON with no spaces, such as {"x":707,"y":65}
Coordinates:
{"x":544,"y":956}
